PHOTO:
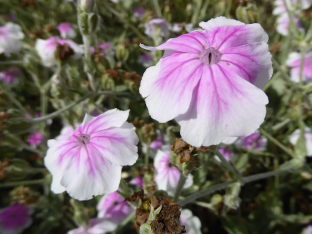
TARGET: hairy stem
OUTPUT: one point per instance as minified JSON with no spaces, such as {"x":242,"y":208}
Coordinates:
{"x":180,"y":186}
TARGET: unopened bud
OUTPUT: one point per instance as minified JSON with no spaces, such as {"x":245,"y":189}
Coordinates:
{"x":248,"y":14}
{"x":18,"y":169}
{"x":231,"y":198}
{"x":86,"y":5}
{"x":122,"y":53}
{"x":79,"y":214}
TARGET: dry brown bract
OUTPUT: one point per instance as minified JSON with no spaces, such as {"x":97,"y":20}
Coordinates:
{"x":64,"y":52}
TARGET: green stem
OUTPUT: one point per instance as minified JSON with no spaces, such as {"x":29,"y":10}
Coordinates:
{"x":22,"y":144}
{"x":276,"y":142}
{"x":88,"y":67}
{"x":291,"y":26}
{"x":224,"y":185}
{"x":23,"y":183}
{"x":12,"y":62}
{"x":180,"y":186}
{"x":228,"y":165}
{"x":125,"y":222}
{"x":14,"y":100}
{"x":157,"y":8}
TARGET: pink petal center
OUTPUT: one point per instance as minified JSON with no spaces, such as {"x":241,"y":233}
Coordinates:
{"x":83,"y":139}
{"x":210,"y":56}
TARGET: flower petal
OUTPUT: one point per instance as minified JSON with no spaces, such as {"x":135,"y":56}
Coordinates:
{"x":109,"y":119}
{"x":89,"y":174}
{"x":226,"y":34}
{"x":168,"y":86}
{"x":251,"y":62}
{"x":117,"y":145}
{"x":193,"y":42}
{"x":224,"y":105}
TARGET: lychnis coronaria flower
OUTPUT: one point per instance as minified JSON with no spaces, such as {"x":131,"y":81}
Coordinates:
{"x":167,"y":175}
{"x":89,"y":163}
{"x":280,"y":7}
{"x":10,"y":38}
{"x":9,"y":77}
{"x":210,"y":81}
{"x":294,"y":137}
{"x":114,"y":208}
{"x":294,"y":61}
{"x":14,"y":219}
{"x":66,"y":30}
{"x":35,"y":139}
{"x":157,"y":27}
{"x":95,"y":226}
{"x":192,"y":223}
{"x":47,"y":48}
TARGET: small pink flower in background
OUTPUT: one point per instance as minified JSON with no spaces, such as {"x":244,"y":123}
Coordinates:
{"x":95,"y":226}
{"x":167,"y":175}
{"x":283,"y":23}
{"x":157,"y":144}
{"x":10,"y":38}
{"x":66,"y":30}
{"x":210,"y":81}
{"x":114,"y":208}
{"x":294,"y":137}
{"x":254,"y":142}
{"x":307,"y":230}
{"x":106,"y":49}
{"x":192,"y":223}
{"x":226,"y":152}
{"x":138,"y":181}
{"x":90,"y":162}
{"x":14,"y":219}
{"x":35,"y":139}
{"x":157,"y":26}
{"x":46,"y":49}
{"x":11,"y":17}
{"x":145,"y":60}
{"x":294,"y":61}
{"x":9,"y":77}
{"x":281,"y":9}
{"x":138,"y":13}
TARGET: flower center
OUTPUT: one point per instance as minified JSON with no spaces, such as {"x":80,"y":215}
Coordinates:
{"x":210,"y":56}
{"x":83,"y":139}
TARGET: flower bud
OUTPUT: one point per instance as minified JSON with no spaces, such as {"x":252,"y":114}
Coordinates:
{"x":247,"y":14}
{"x":86,"y":5}
{"x":122,"y":53}
{"x":79,"y":214}
{"x":18,"y":169}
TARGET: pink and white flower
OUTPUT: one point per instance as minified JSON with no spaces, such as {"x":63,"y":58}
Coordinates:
{"x":254,"y":142}
{"x":167,"y":175}
{"x":35,"y":139}
{"x":14,"y":219}
{"x":10,"y":38}
{"x":9,"y":77}
{"x":294,"y":61}
{"x":307,"y":230}
{"x":210,"y":81}
{"x":283,"y":24}
{"x":114,"y":208}
{"x":66,"y":30}
{"x":280,"y":7}
{"x":192,"y":223}
{"x":46,"y":49}
{"x":138,"y":13}
{"x":90,"y":162}
{"x":226,"y":152}
{"x":157,"y":27}
{"x":294,"y":137}
{"x":95,"y":226}
{"x":145,"y":60}
{"x":138,"y":181}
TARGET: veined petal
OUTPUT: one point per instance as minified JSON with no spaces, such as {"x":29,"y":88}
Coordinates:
{"x":251,"y":62}
{"x":168,"y":86}
{"x":228,"y":36}
{"x":109,"y":119}
{"x":89,"y":174}
{"x":193,"y":42}
{"x":223,"y":105}
{"x":117,"y":145}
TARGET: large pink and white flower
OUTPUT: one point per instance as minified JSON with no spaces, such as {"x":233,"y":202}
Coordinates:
{"x":294,"y":61}
{"x":167,"y":175}
{"x":14,"y":219}
{"x":294,"y":137}
{"x":114,"y":208}
{"x":90,"y":162}
{"x":66,"y":30}
{"x":95,"y":226}
{"x":192,"y":223}
{"x":46,"y":49}
{"x":10,"y":38}
{"x":210,"y":81}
